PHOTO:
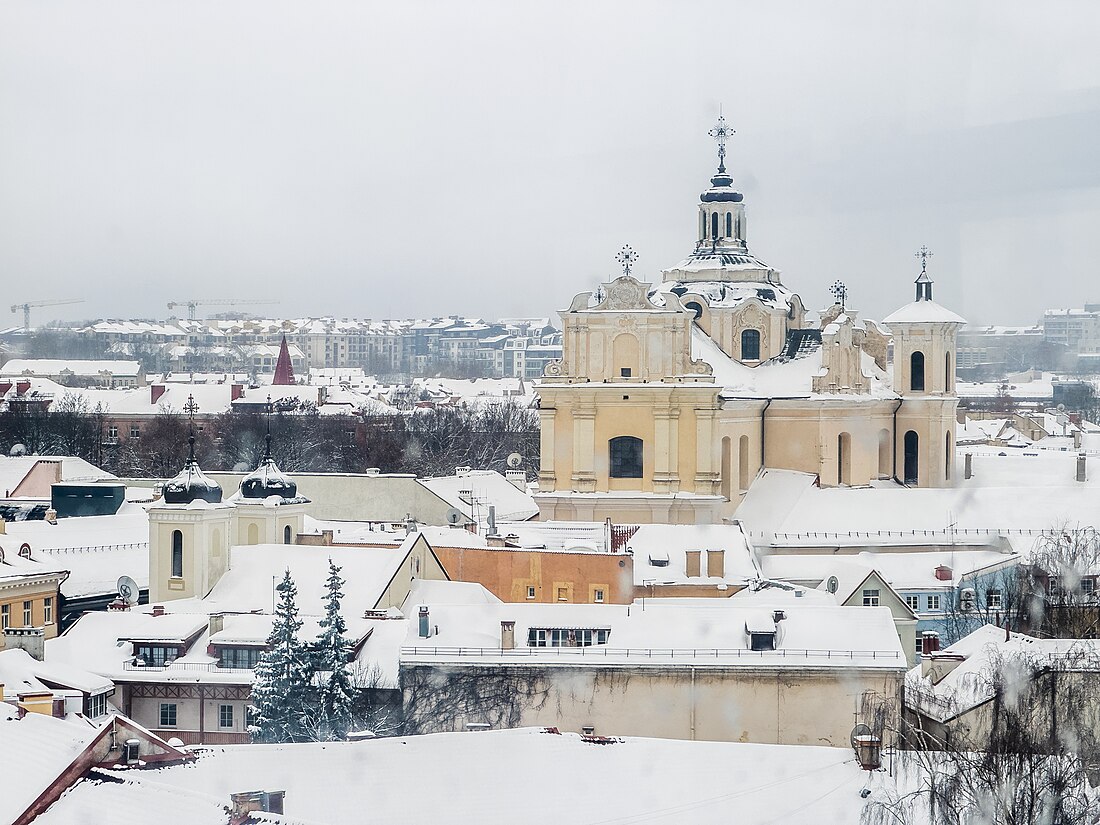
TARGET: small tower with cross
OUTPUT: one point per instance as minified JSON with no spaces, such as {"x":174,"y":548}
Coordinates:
{"x":190,"y":528}
{"x":924,"y":336}
{"x":721,"y":208}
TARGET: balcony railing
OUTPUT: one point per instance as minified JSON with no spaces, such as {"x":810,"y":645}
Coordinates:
{"x":683,"y":654}
{"x":205,"y":667}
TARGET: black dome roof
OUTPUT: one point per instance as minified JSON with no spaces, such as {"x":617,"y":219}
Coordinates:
{"x":267,"y":479}
{"x":190,"y":485}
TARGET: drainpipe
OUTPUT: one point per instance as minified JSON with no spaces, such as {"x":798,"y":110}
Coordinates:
{"x":693,"y":703}
{"x":763,"y":418}
{"x":894,"y":436}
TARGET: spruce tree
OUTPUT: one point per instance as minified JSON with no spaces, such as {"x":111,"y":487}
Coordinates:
{"x":281,"y":691}
{"x":331,"y":654}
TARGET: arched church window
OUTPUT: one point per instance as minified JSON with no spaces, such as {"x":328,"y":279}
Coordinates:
{"x":750,"y":345}
{"x":916,"y":371}
{"x":703,"y":229}
{"x":948,"y":454}
{"x":625,"y":457}
{"x":714,"y":224}
{"x":912,"y":463}
{"x":177,"y":554}
{"x":286,"y":534}
{"x":695,"y":307}
{"x":948,"y":374}
{"x":729,"y":224}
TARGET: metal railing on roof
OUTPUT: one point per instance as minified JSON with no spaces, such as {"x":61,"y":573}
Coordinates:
{"x":649,"y":653}
{"x":205,"y":667}
{"x":947,"y":534}
{"x":137,"y":545}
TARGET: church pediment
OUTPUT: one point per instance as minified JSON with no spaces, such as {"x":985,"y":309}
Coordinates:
{"x":625,"y":294}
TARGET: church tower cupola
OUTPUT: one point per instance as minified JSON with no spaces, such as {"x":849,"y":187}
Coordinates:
{"x":267,"y":479}
{"x":191,"y":484}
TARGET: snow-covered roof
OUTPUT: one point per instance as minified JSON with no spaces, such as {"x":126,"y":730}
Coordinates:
{"x":703,"y":632}
{"x":82,"y":368}
{"x":472,"y":492}
{"x":20,"y":672}
{"x":438,"y":778}
{"x":923,"y":312}
{"x":726,"y":294}
{"x":13,"y":469}
{"x":660,"y":554}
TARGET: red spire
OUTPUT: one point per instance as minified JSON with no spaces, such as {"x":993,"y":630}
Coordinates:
{"x":284,"y":372}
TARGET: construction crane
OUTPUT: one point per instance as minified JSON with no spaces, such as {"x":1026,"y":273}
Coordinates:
{"x":224,"y":302}
{"x":26,"y":307}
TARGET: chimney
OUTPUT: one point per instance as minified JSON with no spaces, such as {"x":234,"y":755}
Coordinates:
{"x":254,"y":802}
{"x":30,"y":639}
{"x":51,"y":516}
{"x":3,"y":526}
{"x":235,"y":391}
{"x":968,"y":472}
{"x":507,"y":635}
{"x":517,"y":478}
{"x":716,"y":563}
{"x":1081,"y":467}
{"x":1076,"y":439}
{"x":930,"y":642}
{"x":692,"y":565}
{"x":5,"y":386}
{"x":424,"y":630}
{"x":155,"y":392}
{"x":492,"y":520}
{"x":943,"y":573}
{"x":217,"y":623}
{"x":22,"y":386}
{"x":158,"y":610}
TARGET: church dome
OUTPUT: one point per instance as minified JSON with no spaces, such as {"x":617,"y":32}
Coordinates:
{"x":268,"y":480}
{"x":721,"y":190}
{"x":191,"y":484}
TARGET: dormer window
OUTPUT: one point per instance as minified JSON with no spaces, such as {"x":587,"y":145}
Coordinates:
{"x":567,"y":636}
{"x":761,"y":631}
{"x":762,"y":641}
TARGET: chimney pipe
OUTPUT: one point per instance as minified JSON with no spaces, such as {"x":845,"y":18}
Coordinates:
{"x":930,"y":642}
{"x":1080,"y":466}
{"x":968,"y":472}
{"x":158,"y":610}
{"x":492,"y":519}
{"x":507,"y":635}
{"x":424,"y":629}
{"x":155,"y":392}
{"x":1077,"y":439}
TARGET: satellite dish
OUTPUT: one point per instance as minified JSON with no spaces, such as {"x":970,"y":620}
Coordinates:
{"x":455,"y":516}
{"x":858,"y":731}
{"x":833,"y":584}
{"x":514,"y":460}
{"x":17,"y":450}
{"x":128,"y":590}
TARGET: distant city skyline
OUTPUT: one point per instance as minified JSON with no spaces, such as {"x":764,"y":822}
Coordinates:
{"x":363,"y":160}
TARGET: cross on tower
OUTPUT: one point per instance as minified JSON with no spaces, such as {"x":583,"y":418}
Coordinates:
{"x":840,"y":292}
{"x":626,"y":257}
{"x":721,"y":133}
{"x":924,"y":253}
{"x":191,"y":408}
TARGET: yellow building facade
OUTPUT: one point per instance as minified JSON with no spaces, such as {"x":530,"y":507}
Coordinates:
{"x":670,"y":398}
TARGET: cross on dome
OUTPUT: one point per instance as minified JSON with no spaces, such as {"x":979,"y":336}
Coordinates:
{"x":840,"y":292}
{"x":191,"y":407}
{"x":924,"y":253}
{"x":626,"y":257}
{"x":923,"y":282}
{"x":721,"y":133}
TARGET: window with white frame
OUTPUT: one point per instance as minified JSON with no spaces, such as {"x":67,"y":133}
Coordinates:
{"x":225,"y":716}
{"x":531,"y":591}
{"x":135,"y":431}
{"x":96,"y":706}
{"x":933,"y":602}
{"x":597,"y":596}
{"x":26,"y":614}
{"x":5,"y":616}
{"x":993,"y":599}
{"x":167,"y":714}
{"x":919,"y":646}
{"x":870,"y":598}
{"x":47,"y":610}
{"x":567,"y":636}
{"x":913,"y":602}
{"x":1088,"y":586}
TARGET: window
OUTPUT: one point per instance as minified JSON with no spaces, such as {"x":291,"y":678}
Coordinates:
{"x":531,"y":591}
{"x":598,"y":597}
{"x":567,"y":636}
{"x":112,"y":432}
{"x":624,"y":372}
{"x":919,"y":645}
{"x":47,"y":610}
{"x":913,"y":602}
{"x":5,"y":616}
{"x":563,"y":594}
{"x":135,"y":431}
{"x":762,"y":641}
{"x":26,"y":614}
{"x":912,"y":457}
{"x":729,"y":224}
{"x":95,"y":706}
{"x":750,"y":345}
{"x":933,"y":602}
{"x":1088,"y":586}
{"x":225,"y":716}
{"x":626,"y":457}
{"x":870,"y":598}
{"x":287,"y":534}
{"x":167,"y":714}
{"x":155,"y":655}
{"x":714,"y":225}
{"x":177,"y":554}
{"x":1054,"y":587}
{"x":239,"y":658}
{"x":993,"y":599}
{"x":916,"y":371}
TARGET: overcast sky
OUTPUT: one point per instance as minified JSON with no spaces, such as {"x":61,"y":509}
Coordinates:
{"x":420,"y":159}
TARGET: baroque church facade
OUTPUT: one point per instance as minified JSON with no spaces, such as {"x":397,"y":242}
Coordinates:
{"x":670,"y":398}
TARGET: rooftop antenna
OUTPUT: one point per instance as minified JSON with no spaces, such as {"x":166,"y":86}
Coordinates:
{"x":721,"y":133}
{"x":626,"y":257}
{"x":191,"y":408}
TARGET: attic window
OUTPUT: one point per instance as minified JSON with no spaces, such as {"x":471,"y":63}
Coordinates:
{"x":658,"y":559}
{"x":567,"y":636}
{"x":762,"y":641}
